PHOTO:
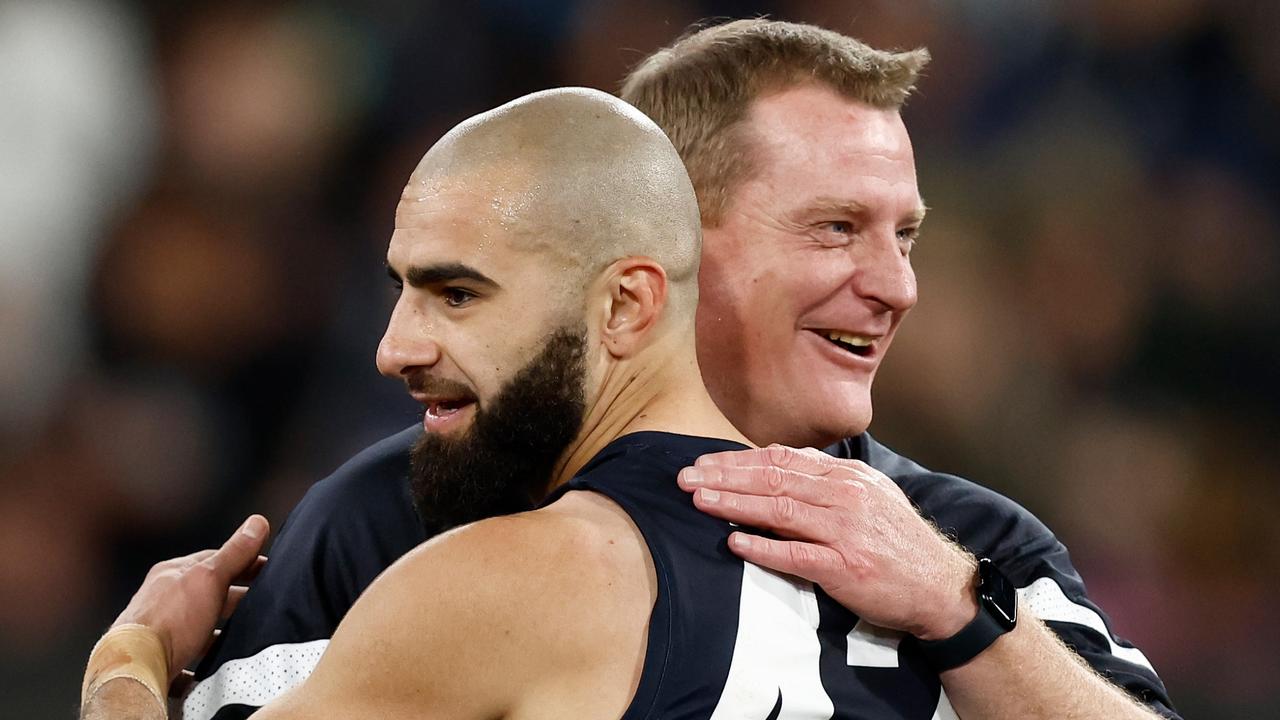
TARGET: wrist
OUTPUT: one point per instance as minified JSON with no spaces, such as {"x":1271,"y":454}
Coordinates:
{"x":957,"y":605}
{"x":151,"y":623}
{"x":997,"y":614}
{"x":132,"y":651}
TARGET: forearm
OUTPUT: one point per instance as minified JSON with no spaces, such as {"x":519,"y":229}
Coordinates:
{"x":1029,"y":673}
{"x":122,"y":698}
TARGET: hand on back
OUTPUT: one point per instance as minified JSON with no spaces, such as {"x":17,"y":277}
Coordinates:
{"x":184,"y":598}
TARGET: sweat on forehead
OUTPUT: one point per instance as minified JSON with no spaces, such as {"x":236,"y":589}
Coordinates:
{"x":572,"y":171}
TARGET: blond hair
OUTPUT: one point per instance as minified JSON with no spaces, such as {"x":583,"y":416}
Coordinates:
{"x":700,"y":89}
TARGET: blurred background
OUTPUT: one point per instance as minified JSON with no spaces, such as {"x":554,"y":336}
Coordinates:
{"x":195,"y":199}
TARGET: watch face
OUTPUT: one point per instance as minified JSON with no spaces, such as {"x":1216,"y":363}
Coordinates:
{"x":998,"y":594}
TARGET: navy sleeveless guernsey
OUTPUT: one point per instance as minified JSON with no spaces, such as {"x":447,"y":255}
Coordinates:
{"x":720,"y":629}
{"x":728,"y":639}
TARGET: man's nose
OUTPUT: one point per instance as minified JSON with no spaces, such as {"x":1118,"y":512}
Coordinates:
{"x":884,"y":274}
{"x":408,"y":343}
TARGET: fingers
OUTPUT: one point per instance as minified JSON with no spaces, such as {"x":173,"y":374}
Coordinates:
{"x":240,"y":551}
{"x":180,"y":564}
{"x":808,"y":475}
{"x":235,"y":594}
{"x":807,"y":460}
{"x":784,"y":515}
{"x":806,"y":560}
{"x":213,"y":637}
{"x":181,"y":684}
{"x":773,"y":481}
{"x":250,"y":573}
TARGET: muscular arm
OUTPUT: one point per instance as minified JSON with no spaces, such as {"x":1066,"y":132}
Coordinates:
{"x":510,"y":616}
{"x":398,"y":651}
{"x":472,"y":625}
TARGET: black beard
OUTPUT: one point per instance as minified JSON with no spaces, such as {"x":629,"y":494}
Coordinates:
{"x":504,"y":461}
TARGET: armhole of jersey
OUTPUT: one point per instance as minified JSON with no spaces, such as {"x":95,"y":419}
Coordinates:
{"x":253,"y":681}
{"x":657,"y":651}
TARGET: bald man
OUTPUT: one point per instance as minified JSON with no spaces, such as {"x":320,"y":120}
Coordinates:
{"x":571,"y":210}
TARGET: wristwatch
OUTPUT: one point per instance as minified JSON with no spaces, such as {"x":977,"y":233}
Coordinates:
{"x":997,"y":615}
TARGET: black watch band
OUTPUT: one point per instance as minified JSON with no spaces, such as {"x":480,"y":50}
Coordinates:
{"x":997,"y":615}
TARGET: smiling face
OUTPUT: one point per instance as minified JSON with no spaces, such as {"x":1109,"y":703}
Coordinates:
{"x":807,"y":276}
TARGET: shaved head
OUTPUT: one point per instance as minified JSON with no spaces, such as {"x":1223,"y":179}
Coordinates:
{"x":576,"y":174}
{"x":547,"y":256}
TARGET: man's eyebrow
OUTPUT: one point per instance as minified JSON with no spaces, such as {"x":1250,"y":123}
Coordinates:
{"x":853,"y":207}
{"x":917,"y":216}
{"x":836,"y":205}
{"x":423,"y":275}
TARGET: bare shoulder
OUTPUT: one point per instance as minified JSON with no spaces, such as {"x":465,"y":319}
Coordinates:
{"x":541,"y":564}
{"x":525,"y":603}
{"x":558,"y":578}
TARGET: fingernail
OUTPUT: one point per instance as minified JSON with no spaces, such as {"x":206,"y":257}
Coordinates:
{"x":250,"y":529}
{"x":710,"y":496}
{"x":692,"y":476}
{"x":740,"y":541}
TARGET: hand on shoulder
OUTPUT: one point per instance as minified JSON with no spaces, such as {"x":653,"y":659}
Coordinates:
{"x":843,"y":525}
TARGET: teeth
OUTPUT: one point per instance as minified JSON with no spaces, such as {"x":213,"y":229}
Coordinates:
{"x":855,"y":340}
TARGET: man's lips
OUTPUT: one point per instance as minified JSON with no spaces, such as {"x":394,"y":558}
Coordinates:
{"x":447,"y":404}
{"x":859,"y":344}
{"x":446,"y":414}
{"x":446,"y":407}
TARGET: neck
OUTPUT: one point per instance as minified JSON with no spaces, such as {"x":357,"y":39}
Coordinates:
{"x":662,"y":392}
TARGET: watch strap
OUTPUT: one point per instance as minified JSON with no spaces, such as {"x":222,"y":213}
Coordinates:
{"x":986,"y":627}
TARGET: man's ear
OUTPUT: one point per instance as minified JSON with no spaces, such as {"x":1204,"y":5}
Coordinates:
{"x":637,"y":288}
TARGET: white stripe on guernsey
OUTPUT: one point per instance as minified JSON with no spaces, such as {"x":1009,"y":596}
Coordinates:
{"x":255,"y":680}
{"x":944,"y":711}
{"x":1045,"y":599}
{"x":776,"y":652}
{"x":872,"y":646}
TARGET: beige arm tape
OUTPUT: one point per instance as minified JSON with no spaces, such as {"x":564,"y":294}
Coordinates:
{"x":132,"y":651}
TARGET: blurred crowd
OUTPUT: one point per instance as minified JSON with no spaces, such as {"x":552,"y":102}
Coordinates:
{"x":195,"y":200}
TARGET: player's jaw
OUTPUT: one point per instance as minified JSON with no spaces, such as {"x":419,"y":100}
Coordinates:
{"x":497,"y":455}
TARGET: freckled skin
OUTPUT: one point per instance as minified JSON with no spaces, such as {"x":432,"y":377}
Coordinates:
{"x":776,"y":267}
